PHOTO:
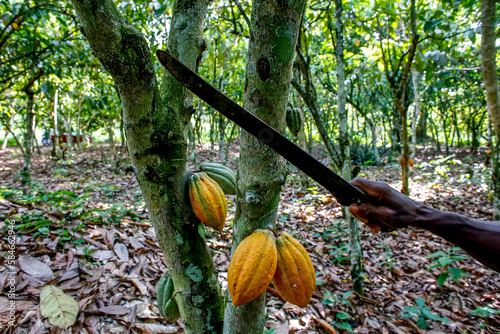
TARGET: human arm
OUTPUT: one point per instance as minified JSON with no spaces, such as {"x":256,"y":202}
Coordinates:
{"x":481,"y":239}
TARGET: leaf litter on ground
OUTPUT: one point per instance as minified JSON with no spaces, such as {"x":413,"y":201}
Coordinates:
{"x":82,"y":226}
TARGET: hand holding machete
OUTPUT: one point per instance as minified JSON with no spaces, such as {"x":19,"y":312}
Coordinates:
{"x":481,"y":239}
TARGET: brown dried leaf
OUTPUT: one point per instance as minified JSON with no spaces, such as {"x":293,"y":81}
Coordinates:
{"x":35,"y":268}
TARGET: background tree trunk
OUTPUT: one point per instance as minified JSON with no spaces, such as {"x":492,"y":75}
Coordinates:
{"x":355,"y":251}
{"x":30,"y":127}
{"x":154,"y":125}
{"x":416,"y":114}
{"x":488,"y":61}
{"x":55,"y":142}
{"x":67,"y":126}
{"x":261,"y":171}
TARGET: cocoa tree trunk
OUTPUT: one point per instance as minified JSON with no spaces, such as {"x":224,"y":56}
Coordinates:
{"x":55,"y":142}
{"x":355,"y":250}
{"x":261,"y":171}
{"x":30,"y":124}
{"x":489,"y":67}
{"x":4,"y":143}
{"x":374,"y":130}
{"x":222,"y":140}
{"x":416,"y":114}
{"x":67,"y":126}
{"x":304,"y":179}
{"x":155,"y":120}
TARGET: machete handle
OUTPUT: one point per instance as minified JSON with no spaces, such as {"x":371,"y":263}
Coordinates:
{"x":366,"y":198}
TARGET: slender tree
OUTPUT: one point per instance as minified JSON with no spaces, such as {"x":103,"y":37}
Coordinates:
{"x":355,"y":251}
{"x":488,"y":59}
{"x":30,"y":125}
{"x":398,"y":81}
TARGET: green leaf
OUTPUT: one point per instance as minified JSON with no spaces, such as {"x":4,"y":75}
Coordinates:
{"x":78,"y":241}
{"x":7,"y":194}
{"x":343,"y":316}
{"x":484,"y":312}
{"x":444,"y":261}
{"x":62,"y":21}
{"x":421,"y":323}
{"x":201,"y":230}
{"x":440,"y":253}
{"x":58,"y":307}
{"x":457,"y":273}
{"x":345,"y":326}
{"x":442,"y":278}
{"x":347,"y":294}
{"x":420,"y":302}
{"x":426,"y":312}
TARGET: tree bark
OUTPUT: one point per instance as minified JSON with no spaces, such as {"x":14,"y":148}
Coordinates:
{"x":154,"y":125}
{"x":374,"y":130}
{"x":355,"y":251}
{"x":261,"y":171}
{"x":222,"y":140}
{"x":416,"y":114}
{"x":67,"y":126}
{"x":30,"y":127}
{"x":489,"y":67}
{"x":55,"y":142}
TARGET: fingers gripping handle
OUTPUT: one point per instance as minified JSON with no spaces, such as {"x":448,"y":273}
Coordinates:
{"x":366,"y":198}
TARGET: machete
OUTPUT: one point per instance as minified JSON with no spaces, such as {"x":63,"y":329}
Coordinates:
{"x":343,"y":191}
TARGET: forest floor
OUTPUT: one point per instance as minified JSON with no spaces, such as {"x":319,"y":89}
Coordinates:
{"x":83,"y":227}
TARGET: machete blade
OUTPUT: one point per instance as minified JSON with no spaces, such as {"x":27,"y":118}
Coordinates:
{"x":345,"y":193}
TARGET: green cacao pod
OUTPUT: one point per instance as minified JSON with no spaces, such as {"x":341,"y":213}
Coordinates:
{"x":207,"y":200}
{"x":167,"y":306}
{"x":294,"y":120}
{"x":224,"y":176}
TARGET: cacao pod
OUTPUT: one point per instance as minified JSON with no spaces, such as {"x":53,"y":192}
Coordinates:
{"x":294,"y":120}
{"x":295,"y":278}
{"x":168,"y":307}
{"x":207,"y":200}
{"x":252,"y":267}
{"x":410,"y":162}
{"x":402,"y":160}
{"x":221,"y":174}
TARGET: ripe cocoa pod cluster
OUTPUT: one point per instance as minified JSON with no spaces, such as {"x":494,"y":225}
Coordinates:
{"x":261,"y":258}
{"x":402,"y":161}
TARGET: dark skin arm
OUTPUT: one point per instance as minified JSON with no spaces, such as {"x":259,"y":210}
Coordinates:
{"x":481,"y":239}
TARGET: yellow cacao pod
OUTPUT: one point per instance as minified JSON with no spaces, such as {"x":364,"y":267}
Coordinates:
{"x":410,"y":162}
{"x":295,"y":278}
{"x":207,"y":200}
{"x":252,"y":267}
